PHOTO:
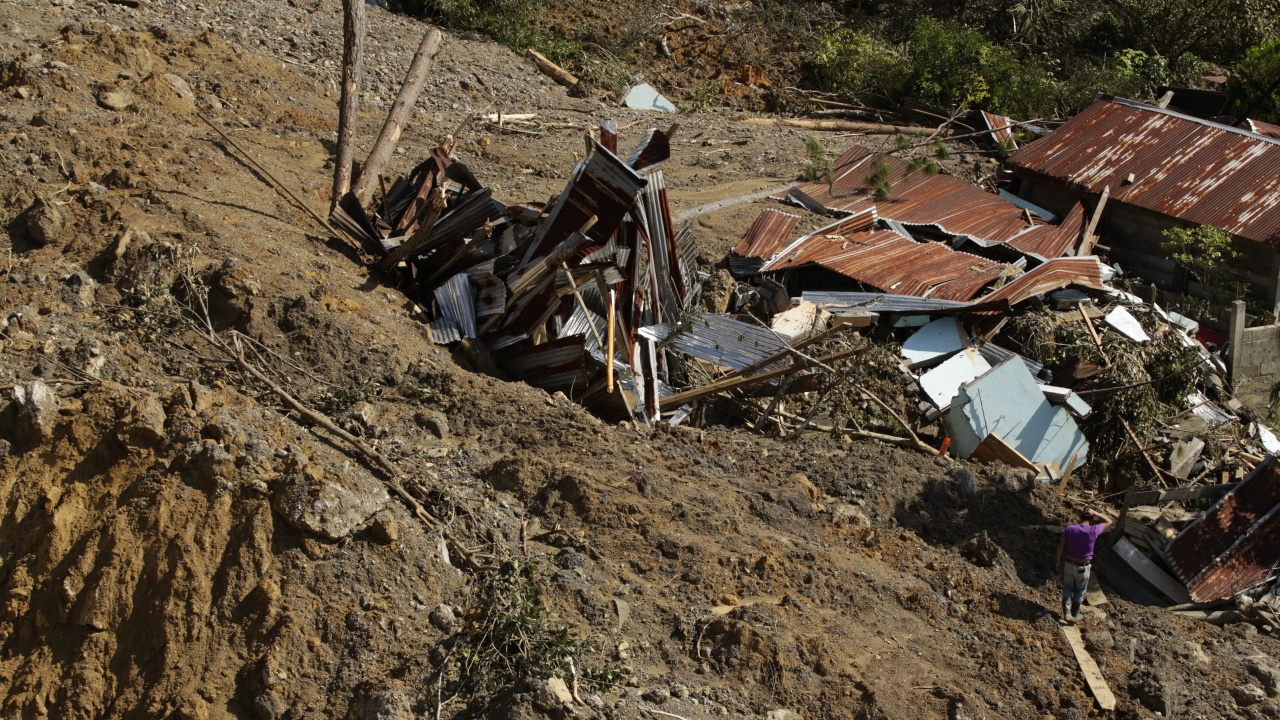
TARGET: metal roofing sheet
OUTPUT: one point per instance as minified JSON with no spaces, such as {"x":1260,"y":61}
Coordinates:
{"x":720,"y":339}
{"x":1265,"y":128}
{"x":886,"y":260}
{"x":1234,"y":544}
{"x":768,"y":234}
{"x":1191,"y":169}
{"x":917,"y":198}
{"x":837,"y":302}
{"x":1001,"y":128}
{"x":1057,"y":273}
{"x":561,"y":364}
{"x":1045,"y":242}
{"x":457,"y":304}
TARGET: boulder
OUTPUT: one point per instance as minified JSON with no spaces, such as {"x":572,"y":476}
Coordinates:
{"x":328,"y":506}
{"x":37,"y":411}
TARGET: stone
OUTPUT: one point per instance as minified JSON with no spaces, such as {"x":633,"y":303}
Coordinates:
{"x":443,"y":618}
{"x":385,"y":529}
{"x":145,"y":423}
{"x":384,"y":705}
{"x":657,"y":695}
{"x":679,"y":690}
{"x":551,"y":695}
{"x":268,"y":706}
{"x":966,"y":707}
{"x":37,"y":410}
{"x":433,"y":421}
{"x":181,"y":86}
{"x":78,"y":289}
{"x":117,"y":100}
{"x":982,"y":551}
{"x":326,"y":506}
{"x":844,"y":514}
{"x":783,"y":714}
{"x":5,"y":448}
{"x":1098,"y":639}
{"x":1266,"y":671}
{"x":1018,"y":479}
{"x":45,"y":221}
{"x":1248,"y":694}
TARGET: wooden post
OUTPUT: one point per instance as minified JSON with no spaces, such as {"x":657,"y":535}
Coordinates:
{"x":552,"y":70}
{"x":400,"y":111}
{"x":612,"y":316}
{"x":352,"y":70}
{"x":1090,"y":238}
{"x":1236,"y":341}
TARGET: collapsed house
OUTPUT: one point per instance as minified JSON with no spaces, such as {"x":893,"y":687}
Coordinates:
{"x":1161,"y":169}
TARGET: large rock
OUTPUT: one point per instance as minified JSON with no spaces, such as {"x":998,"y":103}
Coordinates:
{"x":145,"y":422}
{"x":326,"y":505}
{"x":1267,"y":672}
{"x":37,"y":411}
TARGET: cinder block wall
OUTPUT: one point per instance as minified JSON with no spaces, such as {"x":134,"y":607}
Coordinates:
{"x":1257,"y":369}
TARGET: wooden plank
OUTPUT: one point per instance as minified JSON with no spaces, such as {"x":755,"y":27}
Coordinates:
{"x":1090,"y":239}
{"x":1092,"y":675}
{"x":675,"y":401}
{"x":995,"y":449}
{"x":1141,"y":564}
{"x":1094,"y":595}
{"x":1155,"y":497}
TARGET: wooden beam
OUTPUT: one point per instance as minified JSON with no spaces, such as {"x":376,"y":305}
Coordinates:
{"x":1141,"y":564}
{"x":675,"y":401}
{"x":1092,"y":675}
{"x":352,"y":71}
{"x":397,"y":117}
{"x":552,"y":70}
{"x":415,"y":241}
{"x":1155,"y":497}
{"x":1090,"y":237}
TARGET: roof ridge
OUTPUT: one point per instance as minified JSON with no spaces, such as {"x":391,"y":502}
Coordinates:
{"x":1190,"y":118}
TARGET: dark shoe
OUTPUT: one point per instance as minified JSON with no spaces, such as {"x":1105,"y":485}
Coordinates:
{"x":1075,"y":612}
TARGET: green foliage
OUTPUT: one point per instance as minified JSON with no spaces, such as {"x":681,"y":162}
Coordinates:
{"x":1210,"y":257}
{"x":706,"y":97}
{"x":1253,"y":90}
{"x":817,"y":163}
{"x":878,"y":180}
{"x":510,"y":22}
{"x":508,"y":635}
{"x":859,"y":65}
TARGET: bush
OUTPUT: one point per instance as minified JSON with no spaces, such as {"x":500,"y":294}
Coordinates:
{"x":1253,"y":89}
{"x":859,"y":65}
{"x":510,"y":22}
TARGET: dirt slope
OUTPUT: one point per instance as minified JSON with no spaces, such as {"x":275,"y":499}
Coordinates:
{"x":178,"y":544}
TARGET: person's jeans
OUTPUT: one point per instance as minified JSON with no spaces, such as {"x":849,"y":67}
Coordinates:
{"x":1075,"y":580}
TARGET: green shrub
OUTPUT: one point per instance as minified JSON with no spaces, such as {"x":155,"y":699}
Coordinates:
{"x":859,"y":65}
{"x":510,"y":22}
{"x":1252,"y":90}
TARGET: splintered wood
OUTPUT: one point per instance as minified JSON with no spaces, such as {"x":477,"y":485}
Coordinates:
{"x":1092,"y":675}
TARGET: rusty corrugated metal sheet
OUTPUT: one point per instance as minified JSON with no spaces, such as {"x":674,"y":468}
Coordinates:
{"x":1001,"y":128}
{"x":886,"y":260}
{"x":950,"y":205}
{"x":1265,"y":128}
{"x":768,"y":234}
{"x":1045,"y":242}
{"x":1191,"y":169}
{"x":1236,"y":543}
{"x":1057,"y":273}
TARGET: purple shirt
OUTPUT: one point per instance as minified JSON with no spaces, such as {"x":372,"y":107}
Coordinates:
{"x":1080,"y":539}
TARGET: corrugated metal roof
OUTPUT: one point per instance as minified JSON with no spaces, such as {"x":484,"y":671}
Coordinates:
{"x":561,"y":364}
{"x":1265,"y":128}
{"x":1045,"y":242}
{"x":1001,"y":128}
{"x":1236,"y":543}
{"x":918,"y":198}
{"x":1191,"y":169}
{"x":837,"y":302}
{"x":457,"y":304}
{"x":888,"y":261}
{"x":1057,"y":273}
{"x":719,"y":339}
{"x":768,"y":234}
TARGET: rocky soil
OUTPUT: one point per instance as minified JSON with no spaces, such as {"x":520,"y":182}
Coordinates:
{"x":178,"y":542}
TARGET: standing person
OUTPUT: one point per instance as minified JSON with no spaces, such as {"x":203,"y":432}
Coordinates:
{"x":1076,"y":549}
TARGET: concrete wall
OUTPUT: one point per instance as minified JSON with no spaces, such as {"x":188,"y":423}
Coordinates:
{"x":1255,"y":362}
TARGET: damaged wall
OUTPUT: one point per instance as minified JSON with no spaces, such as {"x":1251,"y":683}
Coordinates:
{"x":1255,"y":362}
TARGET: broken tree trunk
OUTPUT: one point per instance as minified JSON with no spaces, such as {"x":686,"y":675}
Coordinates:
{"x":552,"y":70}
{"x":352,"y":70}
{"x":841,"y":126}
{"x":400,"y":110}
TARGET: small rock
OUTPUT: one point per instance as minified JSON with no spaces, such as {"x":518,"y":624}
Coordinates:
{"x":1267,"y":672}
{"x":783,"y":714}
{"x":551,"y":695}
{"x":1248,"y":694}
{"x":364,"y":415}
{"x":37,"y":410}
{"x":966,"y":707}
{"x":117,"y":100}
{"x":5,"y":448}
{"x":443,"y":618}
{"x":78,"y":289}
{"x":45,"y":221}
{"x":657,"y":695}
{"x":844,"y":514}
{"x":181,"y":86}
{"x":57,"y":65}
{"x":679,"y":690}
{"x":433,"y":421}
{"x":384,"y":705}
{"x":1019,"y":479}
{"x":145,"y":423}
{"x":1098,"y":639}
{"x":267,"y":706}
{"x":385,"y":529}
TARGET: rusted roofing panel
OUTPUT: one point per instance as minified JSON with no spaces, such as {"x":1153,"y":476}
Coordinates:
{"x":918,"y":198}
{"x":767,"y":235}
{"x":1191,"y":169}
{"x":1233,"y":544}
{"x":1045,"y":242}
{"x":1265,"y":128}
{"x":1001,"y":128}
{"x":1057,"y":273}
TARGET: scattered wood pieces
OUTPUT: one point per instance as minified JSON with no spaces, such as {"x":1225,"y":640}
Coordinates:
{"x":841,"y":126}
